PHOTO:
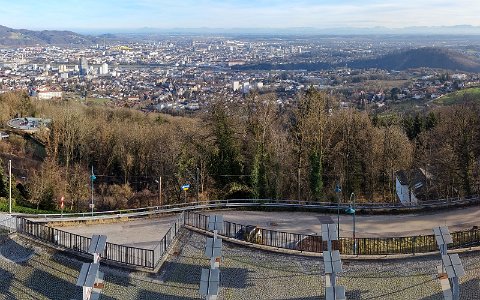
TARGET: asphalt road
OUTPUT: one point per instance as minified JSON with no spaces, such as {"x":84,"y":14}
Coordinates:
{"x":146,"y":233}
{"x":365,"y":225}
{"x":141,"y":233}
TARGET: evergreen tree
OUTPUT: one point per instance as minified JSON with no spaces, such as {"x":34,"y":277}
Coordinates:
{"x":259,"y":176}
{"x":225,"y":163}
{"x":316,"y":181}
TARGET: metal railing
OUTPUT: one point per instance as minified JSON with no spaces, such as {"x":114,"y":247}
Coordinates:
{"x":8,"y":224}
{"x":160,"y":250}
{"x":314,"y":243}
{"x":130,"y":256}
{"x":150,"y":258}
{"x":235,"y":203}
{"x":126,"y":255}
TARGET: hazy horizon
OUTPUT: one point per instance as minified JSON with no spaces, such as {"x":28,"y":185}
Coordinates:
{"x":455,"y":30}
{"x":110,"y":15}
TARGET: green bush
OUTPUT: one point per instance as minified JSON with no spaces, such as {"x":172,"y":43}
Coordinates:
{"x":22,"y":209}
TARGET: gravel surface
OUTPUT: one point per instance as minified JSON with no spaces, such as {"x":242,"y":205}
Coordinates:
{"x":12,"y":251}
{"x":251,"y":274}
{"x":245,"y":274}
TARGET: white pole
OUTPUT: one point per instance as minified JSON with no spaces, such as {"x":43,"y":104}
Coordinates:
{"x":91,"y":179}
{"x":10,"y":188}
{"x":160,"y":190}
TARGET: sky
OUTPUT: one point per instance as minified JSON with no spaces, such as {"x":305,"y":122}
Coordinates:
{"x":126,"y":14}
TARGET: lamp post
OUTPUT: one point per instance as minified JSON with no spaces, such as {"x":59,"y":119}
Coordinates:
{"x":92,"y":178}
{"x":10,"y":187}
{"x":159,"y":181}
{"x":351,"y":211}
{"x":338,"y":190}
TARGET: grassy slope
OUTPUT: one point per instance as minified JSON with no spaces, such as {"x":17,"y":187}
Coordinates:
{"x":460,"y":97}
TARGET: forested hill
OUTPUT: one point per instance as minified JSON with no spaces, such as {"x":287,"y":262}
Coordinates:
{"x":436,"y":58}
{"x":21,"y":37}
{"x":255,"y":150}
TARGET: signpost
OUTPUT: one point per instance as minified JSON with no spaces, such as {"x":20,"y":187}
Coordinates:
{"x":185,"y":188}
{"x":62,"y":204}
{"x":338,"y":190}
{"x":10,"y":187}
{"x":92,"y":178}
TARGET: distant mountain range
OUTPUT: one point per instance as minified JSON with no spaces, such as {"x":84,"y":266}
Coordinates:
{"x":21,"y":37}
{"x":379,"y":30}
{"x":428,"y":57}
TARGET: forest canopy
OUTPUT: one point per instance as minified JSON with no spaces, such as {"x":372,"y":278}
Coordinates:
{"x":255,"y":149}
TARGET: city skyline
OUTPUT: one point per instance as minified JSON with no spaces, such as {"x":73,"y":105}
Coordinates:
{"x":121,"y":14}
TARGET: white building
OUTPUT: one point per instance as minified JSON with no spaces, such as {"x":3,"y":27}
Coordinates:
{"x":404,"y":193}
{"x":47,"y":95}
{"x":459,"y":76}
{"x":104,"y":69}
{"x":246,"y":87}
{"x":62,"y":69}
{"x":3,"y":135}
{"x":236,"y":85}
{"x":410,"y":184}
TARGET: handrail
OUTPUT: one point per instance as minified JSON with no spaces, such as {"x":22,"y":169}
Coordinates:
{"x":127,"y":255}
{"x":8,"y":224}
{"x":232,"y":203}
{"x":162,"y":247}
{"x":150,"y":258}
{"x":346,"y":245}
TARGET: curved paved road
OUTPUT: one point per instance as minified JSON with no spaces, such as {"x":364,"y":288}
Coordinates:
{"x":145,"y":233}
{"x":366,"y":225}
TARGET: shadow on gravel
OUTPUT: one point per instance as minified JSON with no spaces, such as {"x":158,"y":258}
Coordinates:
{"x":118,"y":279}
{"x":15,"y":252}
{"x":354,"y":294}
{"x":190,"y":274}
{"x":305,"y":298}
{"x":52,"y":286}
{"x":5,"y":283}
{"x":69,"y":260}
{"x":468,"y":291}
{"x":147,"y":295}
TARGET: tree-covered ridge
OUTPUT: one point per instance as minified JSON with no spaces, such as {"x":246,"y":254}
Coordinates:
{"x":256,"y":149}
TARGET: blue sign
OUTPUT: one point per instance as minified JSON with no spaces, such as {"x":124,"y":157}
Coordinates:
{"x":338,"y":189}
{"x":185,"y":187}
{"x":350,"y":211}
{"x":93,"y":177}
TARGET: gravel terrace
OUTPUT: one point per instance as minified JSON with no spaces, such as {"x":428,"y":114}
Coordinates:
{"x":245,"y":274}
